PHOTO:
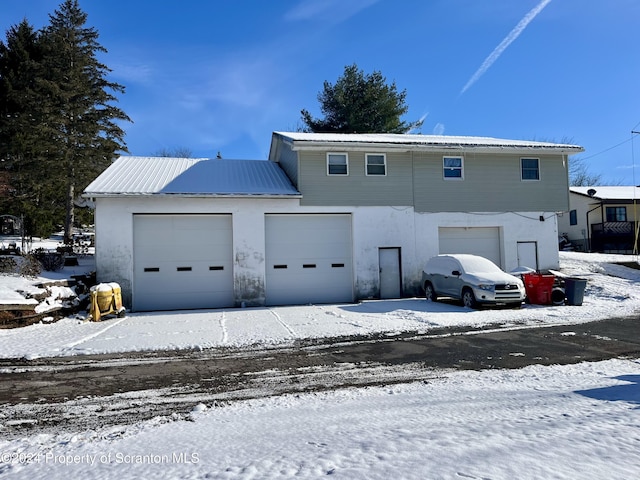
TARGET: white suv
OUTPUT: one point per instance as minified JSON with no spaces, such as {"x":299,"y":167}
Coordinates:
{"x":472,"y":279}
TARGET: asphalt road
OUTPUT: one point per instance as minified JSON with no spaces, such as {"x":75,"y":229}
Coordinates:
{"x":80,"y":390}
{"x":60,"y":379}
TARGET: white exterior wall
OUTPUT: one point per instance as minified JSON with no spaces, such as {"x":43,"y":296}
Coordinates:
{"x":416,"y":234}
{"x":580,"y":233}
{"x":114,"y":236}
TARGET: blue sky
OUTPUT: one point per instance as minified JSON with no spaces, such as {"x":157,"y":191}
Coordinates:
{"x":222,"y":75}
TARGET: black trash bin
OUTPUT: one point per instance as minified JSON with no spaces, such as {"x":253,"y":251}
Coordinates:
{"x":574,"y":290}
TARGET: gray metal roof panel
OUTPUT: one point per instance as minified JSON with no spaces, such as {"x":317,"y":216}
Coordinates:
{"x":188,"y":176}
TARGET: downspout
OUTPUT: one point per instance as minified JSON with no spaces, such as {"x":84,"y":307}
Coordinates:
{"x":588,"y":229}
{"x":637,"y":220}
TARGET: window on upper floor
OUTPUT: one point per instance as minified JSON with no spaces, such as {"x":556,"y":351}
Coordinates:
{"x":453,"y":168}
{"x":616,"y":214}
{"x":376,"y":164}
{"x":337,"y":164}
{"x":530,"y":168}
{"x":573,"y":217}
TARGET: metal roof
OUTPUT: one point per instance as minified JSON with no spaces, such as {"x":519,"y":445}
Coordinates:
{"x":609,"y":192}
{"x":392,"y":140}
{"x":191,"y":176}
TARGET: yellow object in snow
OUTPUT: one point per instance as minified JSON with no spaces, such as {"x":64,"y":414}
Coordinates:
{"x":106,"y":299}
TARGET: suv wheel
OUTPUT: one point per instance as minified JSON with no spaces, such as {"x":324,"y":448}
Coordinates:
{"x":469,"y":299}
{"x":429,"y":292}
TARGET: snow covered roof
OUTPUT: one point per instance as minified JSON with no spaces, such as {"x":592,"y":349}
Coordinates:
{"x":609,"y":192}
{"x":434,"y":142}
{"x":191,"y":176}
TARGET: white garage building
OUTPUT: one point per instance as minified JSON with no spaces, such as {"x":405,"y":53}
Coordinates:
{"x":199,"y":233}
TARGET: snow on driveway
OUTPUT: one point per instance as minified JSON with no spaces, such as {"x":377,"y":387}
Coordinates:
{"x":612,"y":291}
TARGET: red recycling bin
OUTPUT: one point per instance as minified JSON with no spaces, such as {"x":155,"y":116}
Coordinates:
{"x":539,"y":287}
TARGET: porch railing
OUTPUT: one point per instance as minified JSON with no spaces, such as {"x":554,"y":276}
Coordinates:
{"x":613,"y":237}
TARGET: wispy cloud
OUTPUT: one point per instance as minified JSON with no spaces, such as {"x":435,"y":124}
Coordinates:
{"x":331,"y":11}
{"x":438,"y":129}
{"x":138,"y":73}
{"x":508,"y":40}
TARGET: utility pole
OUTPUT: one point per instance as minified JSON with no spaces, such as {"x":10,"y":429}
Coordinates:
{"x":635,"y":200}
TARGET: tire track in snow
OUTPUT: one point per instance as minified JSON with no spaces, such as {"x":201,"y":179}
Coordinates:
{"x":223,"y":327}
{"x":72,"y":345}
{"x":284,"y":324}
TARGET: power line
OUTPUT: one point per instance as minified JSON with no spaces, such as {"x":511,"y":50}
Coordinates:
{"x":615,"y":146}
{"x":607,"y":149}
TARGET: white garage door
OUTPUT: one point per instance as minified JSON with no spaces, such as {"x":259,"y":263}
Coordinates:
{"x":309,"y":259}
{"x":483,"y":241}
{"x":182,"y":262}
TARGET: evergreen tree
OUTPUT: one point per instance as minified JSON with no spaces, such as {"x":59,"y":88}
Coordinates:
{"x":21,"y":116}
{"x":59,"y":128}
{"x":82,"y":126}
{"x":359,"y":103}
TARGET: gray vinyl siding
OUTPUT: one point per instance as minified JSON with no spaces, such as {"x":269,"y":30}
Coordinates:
{"x":492,"y":183}
{"x":288,"y":160}
{"x":355,"y":189}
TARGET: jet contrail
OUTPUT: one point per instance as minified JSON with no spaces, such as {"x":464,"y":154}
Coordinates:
{"x":515,"y":33}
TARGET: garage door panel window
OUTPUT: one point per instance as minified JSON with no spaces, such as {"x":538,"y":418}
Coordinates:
{"x":337,"y":164}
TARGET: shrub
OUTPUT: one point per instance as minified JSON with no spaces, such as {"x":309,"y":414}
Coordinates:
{"x":30,"y":266}
{"x":8,"y":265}
{"x":50,"y":261}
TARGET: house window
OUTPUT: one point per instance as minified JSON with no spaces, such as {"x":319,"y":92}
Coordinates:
{"x":452,"y":168}
{"x":337,"y":164}
{"x":616,"y":214}
{"x":573,"y":217}
{"x":530,"y":168}
{"x":376,"y":164}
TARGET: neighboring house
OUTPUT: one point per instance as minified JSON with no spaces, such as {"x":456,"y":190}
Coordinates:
{"x":329,"y":218}
{"x":603,"y":219}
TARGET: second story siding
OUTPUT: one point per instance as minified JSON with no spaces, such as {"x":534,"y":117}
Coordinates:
{"x":490,"y":183}
{"x":357,"y":188}
{"x":430,"y":173}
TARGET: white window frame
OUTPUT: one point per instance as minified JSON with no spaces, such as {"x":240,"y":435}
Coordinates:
{"x":445,"y":168}
{"x":346,"y":160}
{"x":384,"y":164}
{"x":522,"y":170}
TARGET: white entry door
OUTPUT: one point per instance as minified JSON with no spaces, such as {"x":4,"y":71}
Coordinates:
{"x":528,"y":254}
{"x":308,"y":259}
{"x":390,"y":279}
{"x":182,"y":262}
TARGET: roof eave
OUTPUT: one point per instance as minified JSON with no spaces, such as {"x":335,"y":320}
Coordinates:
{"x":190,"y":195}
{"x":311,"y":145}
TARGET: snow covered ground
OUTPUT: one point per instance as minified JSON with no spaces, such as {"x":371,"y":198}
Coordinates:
{"x":561,"y":422}
{"x":564,"y":422}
